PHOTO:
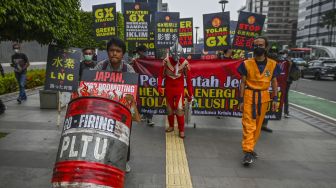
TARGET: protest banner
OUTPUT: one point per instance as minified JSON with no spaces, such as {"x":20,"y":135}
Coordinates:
{"x":166,"y":28}
{"x":215,"y":83}
{"x":249,"y":27}
{"x":137,"y":20}
{"x":62,"y":72}
{"x":216,"y":28}
{"x":105,"y":21}
{"x":186,"y":32}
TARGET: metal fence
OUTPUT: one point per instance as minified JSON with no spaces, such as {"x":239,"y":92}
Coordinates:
{"x":34,"y":51}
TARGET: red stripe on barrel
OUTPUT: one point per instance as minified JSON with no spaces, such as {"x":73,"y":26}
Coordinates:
{"x":88,"y":172}
{"x":99,"y":106}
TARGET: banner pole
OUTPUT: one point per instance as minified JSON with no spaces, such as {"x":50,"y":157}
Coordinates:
{"x":59,"y":109}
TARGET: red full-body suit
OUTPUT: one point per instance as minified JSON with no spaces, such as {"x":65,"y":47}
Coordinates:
{"x":174,"y":88}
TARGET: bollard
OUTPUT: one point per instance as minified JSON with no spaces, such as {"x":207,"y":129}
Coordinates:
{"x":93,"y":145}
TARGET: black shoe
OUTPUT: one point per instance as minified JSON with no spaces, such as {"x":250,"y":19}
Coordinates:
{"x":19,"y":100}
{"x":248,"y":159}
{"x":266,"y":129}
{"x":255,"y":155}
{"x":150,"y":123}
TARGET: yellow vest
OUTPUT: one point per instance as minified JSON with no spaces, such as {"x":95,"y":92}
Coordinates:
{"x":258,"y":81}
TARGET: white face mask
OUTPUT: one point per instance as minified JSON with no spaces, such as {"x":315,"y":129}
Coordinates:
{"x":16,"y":50}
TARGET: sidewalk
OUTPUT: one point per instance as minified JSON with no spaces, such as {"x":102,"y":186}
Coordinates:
{"x":294,"y":155}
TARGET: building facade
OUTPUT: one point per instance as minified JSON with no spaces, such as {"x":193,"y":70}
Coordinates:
{"x":165,"y":7}
{"x":309,"y":29}
{"x":281,"y":19}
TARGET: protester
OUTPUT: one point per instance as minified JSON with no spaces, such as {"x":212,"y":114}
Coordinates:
{"x":257,"y":75}
{"x":88,"y":63}
{"x":173,"y":70}
{"x":273,"y":53}
{"x":284,"y":57}
{"x":116,"y":49}
{"x":141,"y":53}
{"x":20,"y":63}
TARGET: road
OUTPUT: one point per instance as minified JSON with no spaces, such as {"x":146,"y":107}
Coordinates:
{"x":33,"y":65}
{"x":321,"y":88}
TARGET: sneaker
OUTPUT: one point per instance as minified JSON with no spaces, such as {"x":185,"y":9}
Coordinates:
{"x":150,"y":122}
{"x":248,"y":159}
{"x":266,"y":129}
{"x":128,"y":168}
{"x":19,"y":100}
{"x":287,"y":116}
{"x":255,"y":155}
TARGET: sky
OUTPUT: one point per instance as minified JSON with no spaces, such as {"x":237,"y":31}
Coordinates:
{"x":187,"y":8}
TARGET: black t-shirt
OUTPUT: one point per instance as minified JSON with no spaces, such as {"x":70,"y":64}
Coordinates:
{"x":19,"y":62}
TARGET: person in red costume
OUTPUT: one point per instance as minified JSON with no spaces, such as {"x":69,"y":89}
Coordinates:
{"x":174,"y":70}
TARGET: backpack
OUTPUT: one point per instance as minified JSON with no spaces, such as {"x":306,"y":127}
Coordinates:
{"x":294,"y":72}
{"x":2,"y":107}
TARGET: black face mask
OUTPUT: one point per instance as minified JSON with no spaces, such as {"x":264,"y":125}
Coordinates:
{"x":259,"y":51}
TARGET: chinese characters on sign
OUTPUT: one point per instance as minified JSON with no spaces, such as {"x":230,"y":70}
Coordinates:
{"x":186,"y":32}
{"x":216,"y":31}
{"x":104,"y":21}
{"x":62,"y":69}
{"x":248,"y":27}
{"x":137,"y":19}
{"x":167,"y":29}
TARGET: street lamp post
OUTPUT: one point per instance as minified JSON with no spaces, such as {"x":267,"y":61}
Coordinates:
{"x":196,"y":36}
{"x":223,"y":2}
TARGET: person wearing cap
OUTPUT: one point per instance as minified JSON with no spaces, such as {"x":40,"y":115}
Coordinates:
{"x":20,"y":63}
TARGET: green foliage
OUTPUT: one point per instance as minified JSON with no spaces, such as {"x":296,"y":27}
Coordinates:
{"x":120,"y":26}
{"x":8,"y":84}
{"x":45,"y":21}
{"x":84,"y":37}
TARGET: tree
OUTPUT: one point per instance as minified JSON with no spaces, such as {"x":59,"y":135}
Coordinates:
{"x":84,"y":36}
{"x":45,"y":21}
{"x":120,"y":26}
{"x":329,"y":21}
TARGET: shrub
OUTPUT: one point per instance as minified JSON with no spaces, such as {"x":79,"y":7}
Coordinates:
{"x":8,"y":84}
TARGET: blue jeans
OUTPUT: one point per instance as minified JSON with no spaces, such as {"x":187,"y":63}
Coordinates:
{"x":21,"y":79}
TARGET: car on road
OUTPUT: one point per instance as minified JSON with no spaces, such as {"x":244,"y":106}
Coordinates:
{"x":301,"y":63}
{"x":318,"y":69}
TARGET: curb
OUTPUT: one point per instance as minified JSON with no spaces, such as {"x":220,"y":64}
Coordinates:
{"x":315,"y":113}
{"x":12,"y":96}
